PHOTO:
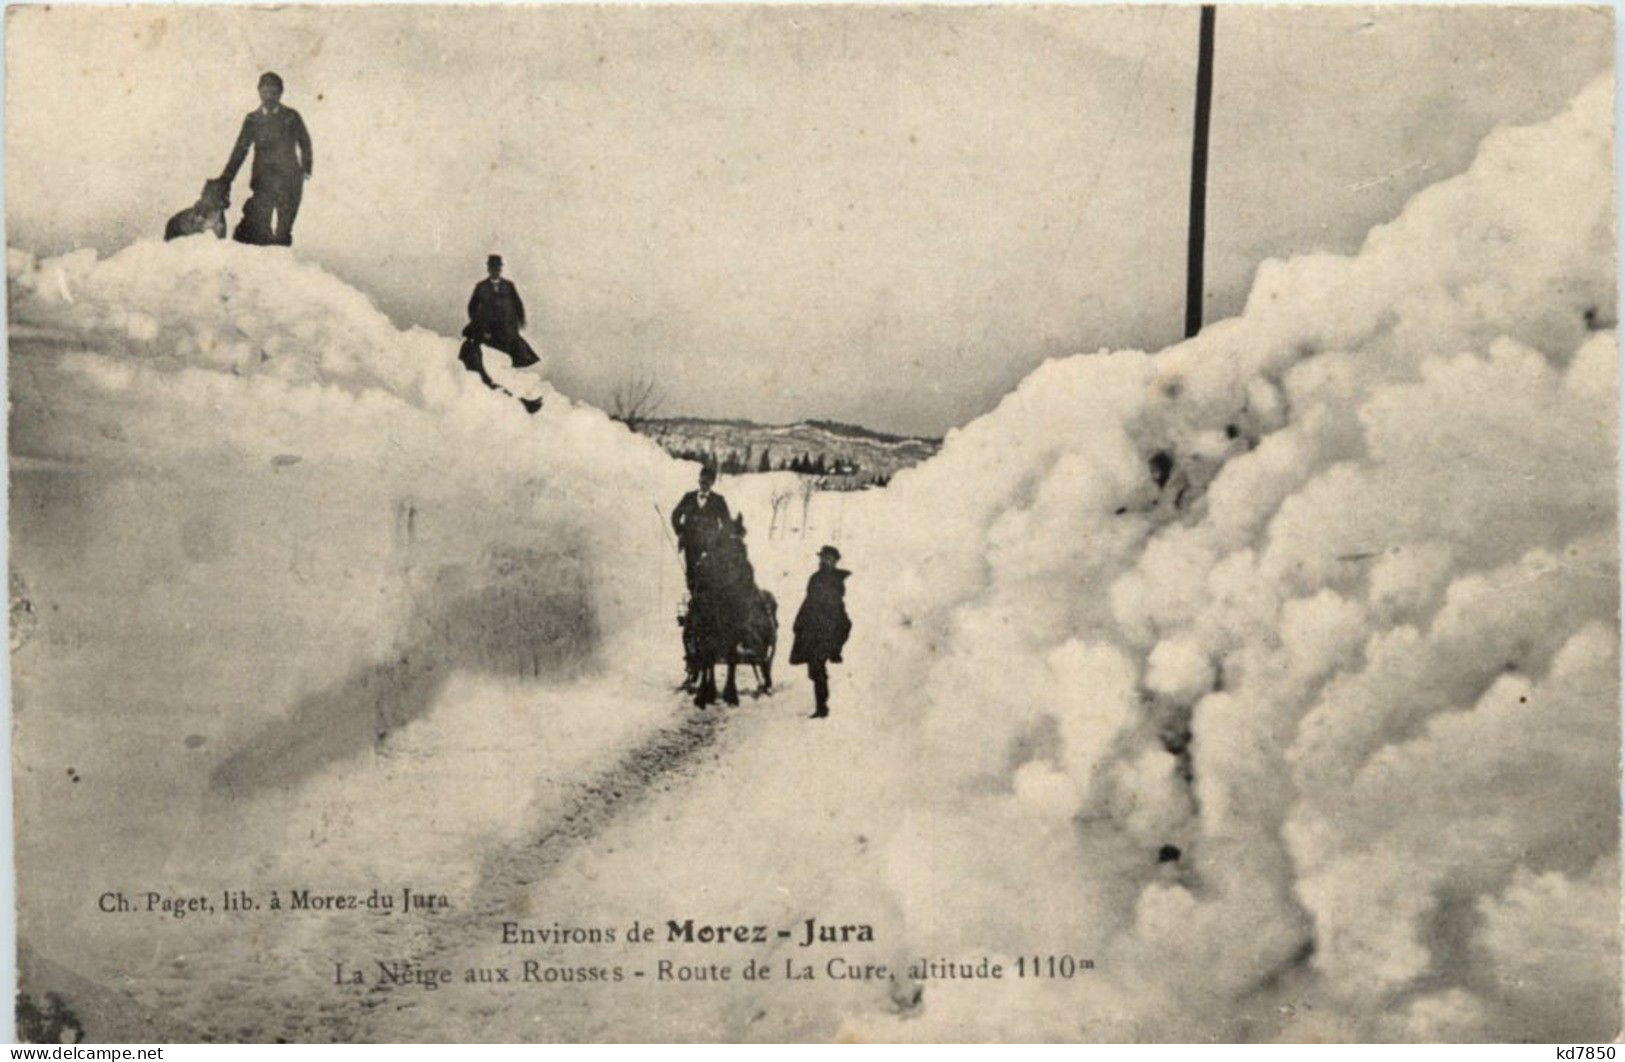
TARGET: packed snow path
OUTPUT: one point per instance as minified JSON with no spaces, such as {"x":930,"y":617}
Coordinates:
{"x":669,"y":757}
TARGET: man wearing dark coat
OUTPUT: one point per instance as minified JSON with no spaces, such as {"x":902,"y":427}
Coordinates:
{"x":282,"y":165}
{"x":496,"y":314}
{"x":699,"y":520}
{"x":822,"y":626}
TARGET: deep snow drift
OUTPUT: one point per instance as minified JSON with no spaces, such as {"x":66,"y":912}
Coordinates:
{"x":1377,"y":593}
{"x":1326,"y":599}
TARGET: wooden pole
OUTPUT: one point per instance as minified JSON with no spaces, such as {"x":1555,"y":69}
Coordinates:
{"x":1198,"y":232}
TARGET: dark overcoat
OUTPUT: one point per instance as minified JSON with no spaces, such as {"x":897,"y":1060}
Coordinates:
{"x":822,"y":626}
{"x":281,"y":145}
{"x":495,"y":316}
{"x":697,"y":526}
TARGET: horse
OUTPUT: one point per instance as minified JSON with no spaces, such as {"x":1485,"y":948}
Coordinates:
{"x":729,"y":620}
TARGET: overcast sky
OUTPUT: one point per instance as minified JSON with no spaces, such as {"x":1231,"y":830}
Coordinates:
{"x":881,"y":215}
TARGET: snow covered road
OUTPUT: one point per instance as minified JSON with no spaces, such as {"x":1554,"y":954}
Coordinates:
{"x":1274,"y":674}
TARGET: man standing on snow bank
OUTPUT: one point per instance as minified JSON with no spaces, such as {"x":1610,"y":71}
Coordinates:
{"x":822,"y":626}
{"x":496,"y":314}
{"x":282,"y":164}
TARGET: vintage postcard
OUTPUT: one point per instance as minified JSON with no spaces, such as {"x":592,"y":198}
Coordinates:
{"x":813,"y":523}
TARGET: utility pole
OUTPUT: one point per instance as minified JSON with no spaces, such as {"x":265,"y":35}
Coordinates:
{"x":1198,"y":232}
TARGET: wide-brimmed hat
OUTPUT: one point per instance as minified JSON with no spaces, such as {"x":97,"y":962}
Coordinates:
{"x":831,"y":552}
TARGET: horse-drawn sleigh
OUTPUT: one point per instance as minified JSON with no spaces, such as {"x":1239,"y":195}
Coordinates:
{"x":727,"y":619}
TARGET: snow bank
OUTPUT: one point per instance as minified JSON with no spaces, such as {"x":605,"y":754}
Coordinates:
{"x":355,"y":594}
{"x":288,"y":362}
{"x":1325,"y":598}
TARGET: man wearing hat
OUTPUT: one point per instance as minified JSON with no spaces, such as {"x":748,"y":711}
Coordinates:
{"x":699,"y":520}
{"x":496,"y":314}
{"x":822,"y":626}
{"x":282,"y":165}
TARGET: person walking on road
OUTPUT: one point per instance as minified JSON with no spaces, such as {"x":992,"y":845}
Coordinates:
{"x":822,"y":626}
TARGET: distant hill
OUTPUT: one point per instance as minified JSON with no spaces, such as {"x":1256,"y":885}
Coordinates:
{"x":843,"y":455}
{"x":858,"y":431}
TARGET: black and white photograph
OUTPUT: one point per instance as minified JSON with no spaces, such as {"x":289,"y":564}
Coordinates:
{"x":813,"y":523}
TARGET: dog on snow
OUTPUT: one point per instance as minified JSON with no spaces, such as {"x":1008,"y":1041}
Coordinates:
{"x":208,"y":214}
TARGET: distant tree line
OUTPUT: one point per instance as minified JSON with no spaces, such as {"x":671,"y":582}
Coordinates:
{"x":734,"y":463}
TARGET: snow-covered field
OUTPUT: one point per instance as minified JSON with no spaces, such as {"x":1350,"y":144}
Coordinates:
{"x":1277,"y":672}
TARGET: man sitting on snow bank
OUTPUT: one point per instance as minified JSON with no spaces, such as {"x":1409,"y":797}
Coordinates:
{"x":495,"y":316}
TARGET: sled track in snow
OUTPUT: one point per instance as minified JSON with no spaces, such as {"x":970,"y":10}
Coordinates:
{"x":594,"y":804}
{"x":507,"y":877}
